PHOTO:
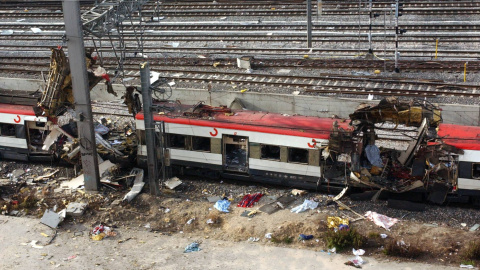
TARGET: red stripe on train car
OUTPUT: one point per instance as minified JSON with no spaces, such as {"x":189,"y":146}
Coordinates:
{"x":16,"y":109}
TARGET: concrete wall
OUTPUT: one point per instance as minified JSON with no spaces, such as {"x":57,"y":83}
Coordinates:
{"x":278,"y":103}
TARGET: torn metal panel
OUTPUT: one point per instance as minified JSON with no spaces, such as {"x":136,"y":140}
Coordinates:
{"x":137,"y":185}
{"x":407,"y":156}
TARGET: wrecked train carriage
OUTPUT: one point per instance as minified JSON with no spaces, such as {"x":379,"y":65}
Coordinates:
{"x":22,"y":133}
{"x":246,"y":145}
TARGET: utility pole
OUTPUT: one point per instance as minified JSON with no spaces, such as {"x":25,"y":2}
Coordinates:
{"x":149,"y":128}
{"x":370,"y":15}
{"x":397,"y":14}
{"x":319,"y":8}
{"x":309,"y":24}
{"x":81,"y":93}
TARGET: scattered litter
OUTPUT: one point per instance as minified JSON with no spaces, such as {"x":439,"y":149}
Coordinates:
{"x":468,"y":266}
{"x":370,"y":97}
{"x":337,"y":222}
{"x":124,"y":240}
{"x":357,"y":261}
{"x":249,"y":214}
{"x":296,"y":93}
{"x":173,"y":182}
{"x":52,"y":219}
{"x":213,"y":199}
{"x":46,"y":176}
{"x":175,"y":44}
{"x":381,"y":220}
{"x":280,"y":203}
{"x":244,"y":62}
{"x":156,"y":19}
{"x":167,"y":210}
{"x":195,"y":246}
{"x":34,"y":244}
{"x":102,"y":231}
{"x":147,"y":226}
{"x":20,"y":20}
{"x":268,"y":235}
{"x":305,"y":237}
{"x":137,"y":185}
{"x":474,"y":227}
{"x":253,"y":239}
{"x":71,"y":257}
{"x":36,"y":30}
{"x":283,"y":71}
{"x":332,"y":250}
{"x":223,"y":18}
{"x":210,"y":221}
{"x":249,"y":200}
{"x":222,"y":205}
{"x":300,"y":192}
{"x":190,"y":221}
{"x":76,"y":209}
{"x":307,"y":204}
{"x":44,"y":234}
{"x":373,"y":155}
{"x":383,"y":236}
{"x":463,"y":224}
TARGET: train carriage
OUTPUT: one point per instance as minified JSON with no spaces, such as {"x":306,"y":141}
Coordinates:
{"x":282,"y":149}
{"x":22,"y":133}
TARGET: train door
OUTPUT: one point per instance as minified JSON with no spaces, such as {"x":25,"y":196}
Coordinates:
{"x":235,"y":153}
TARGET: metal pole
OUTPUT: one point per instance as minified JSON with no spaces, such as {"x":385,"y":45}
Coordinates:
{"x":370,"y":50}
{"x":385,"y":41}
{"x":309,"y":24}
{"x":81,"y":93}
{"x":319,"y":8}
{"x":359,"y":24}
{"x":149,"y":128}
{"x":397,"y":70}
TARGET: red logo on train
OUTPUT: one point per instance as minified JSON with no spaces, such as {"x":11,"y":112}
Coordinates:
{"x":15,"y":119}
{"x":312,"y":145}
{"x":214,"y":134}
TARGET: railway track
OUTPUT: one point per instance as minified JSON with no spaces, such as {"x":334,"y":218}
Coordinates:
{"x":265,"y":26}
{"x":320,"y":84}
{"x":38,"y":64}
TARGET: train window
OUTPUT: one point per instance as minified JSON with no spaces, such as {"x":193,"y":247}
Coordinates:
{"x":200,"y":144}
{"x":270,"y":152}
{"x":298,"y":155}
{"x":176,"y":141}
{"x":7,"y":130}
{"x":476,"y":170}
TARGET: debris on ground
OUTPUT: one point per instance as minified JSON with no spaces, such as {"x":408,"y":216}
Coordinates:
{"x":222,"y":205}
{"x":101,"y":231}
{"x":306,"y":205}
{"x":52,"y":219}
{"x":173,"y":182}
{"x":195,"y":246}
{"x":268,"y":235}
{"x":137,"y":185}
{"x":337,"y":223}
{"x":249,"y":214}
{"x":381,"y":220}
{"x":75,"y":209}
{"x":33,"y":244}
{"x":298,"y":192}
{"x":357,"y":261}
{"x":253,"y":239}
{"x":305,"y":237}
{"x":249,"y":200}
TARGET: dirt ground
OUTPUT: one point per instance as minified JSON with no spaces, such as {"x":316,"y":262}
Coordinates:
{"x":167,"y":223}
{"x":73,"y":249}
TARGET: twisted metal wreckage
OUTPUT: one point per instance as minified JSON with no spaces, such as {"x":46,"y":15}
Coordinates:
{"x":57,"y":99}
{"x":427,"y":164}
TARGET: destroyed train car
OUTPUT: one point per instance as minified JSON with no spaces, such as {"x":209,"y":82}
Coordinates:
{"x":322,"y":153}
{"x":24,"y":136}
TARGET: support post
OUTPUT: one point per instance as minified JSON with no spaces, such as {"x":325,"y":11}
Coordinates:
{"x":436,"y":48}
{"x":309,"y":24}
{"x":81,"y":93}
{"x":397,"y":70}
{"x":370,"y":50}
{"x":465,"y":72}
{"x":319,"y":8}
{"x":149,"y":128}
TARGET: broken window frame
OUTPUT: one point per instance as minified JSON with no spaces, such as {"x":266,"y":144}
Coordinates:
{"x":262,"y":146}
{"x":7,"y":127}
{"x":170,"y":136}
{"x":193,"y":144}
{"x":476,"y":175}
{"x":289,"y":156}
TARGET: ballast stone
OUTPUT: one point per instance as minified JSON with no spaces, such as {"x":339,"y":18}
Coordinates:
{"x":76,"y":209}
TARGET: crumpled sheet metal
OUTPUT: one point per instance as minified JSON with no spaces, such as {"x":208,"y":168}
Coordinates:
{"x":334,"y":222}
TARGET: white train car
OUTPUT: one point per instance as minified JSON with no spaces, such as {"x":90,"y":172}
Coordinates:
{"x":21,"y":133}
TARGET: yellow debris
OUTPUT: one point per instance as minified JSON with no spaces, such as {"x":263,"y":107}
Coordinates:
{"x":377,"y":71}
{"x":44,"y":234}
{"x":216,"y":64}
{"x":334,"y":222}
{"x":98,"y":237}
{"x":306,"y":56}
{"x":244,"y":90}
{"x":273,"y":8}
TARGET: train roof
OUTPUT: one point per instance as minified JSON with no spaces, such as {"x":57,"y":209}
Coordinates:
{"x":16,"y":109}
{"x":257,"y":121}
{"x":463,"y":137}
